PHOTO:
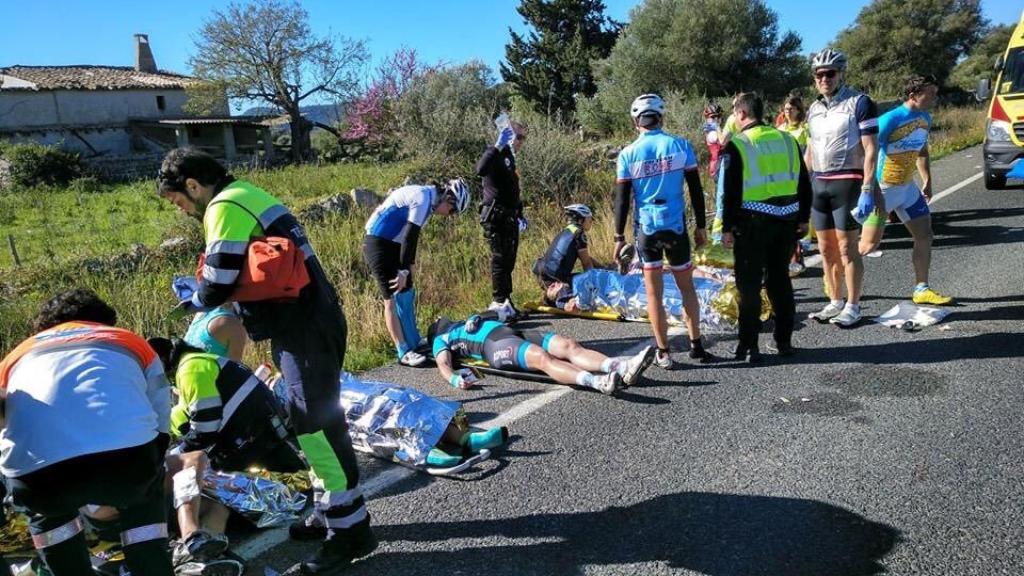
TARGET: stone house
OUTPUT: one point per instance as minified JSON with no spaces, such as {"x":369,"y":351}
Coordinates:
{"x":110,"y":112}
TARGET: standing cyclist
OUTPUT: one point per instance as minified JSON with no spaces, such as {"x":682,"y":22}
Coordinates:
{"x":307,"y":339}
{"x":501,"y":213}
{"x":903,"y":147}
{"x":651,"y":172}
{"x":843,"y":127}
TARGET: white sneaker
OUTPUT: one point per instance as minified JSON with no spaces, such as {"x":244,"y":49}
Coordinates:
{"x":412,"y":358}
{"x":827,"y":313}
{"x":848,"y":317}
{"x":607,"y":383}
{"x":635,"y":366}
{"x":663,"y":360}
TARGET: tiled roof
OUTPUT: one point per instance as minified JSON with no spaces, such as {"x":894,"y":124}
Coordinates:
{"x":89,"y":78}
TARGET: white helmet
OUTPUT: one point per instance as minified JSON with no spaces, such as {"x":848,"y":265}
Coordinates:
{"x":829,"y":58}
{"x":459,"y":190}
{"x":580,"y":211}
{"x":646,"y":104}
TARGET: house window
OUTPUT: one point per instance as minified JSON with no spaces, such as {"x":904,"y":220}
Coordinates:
{"x":161,"y":105}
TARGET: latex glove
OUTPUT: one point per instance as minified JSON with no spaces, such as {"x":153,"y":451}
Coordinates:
{"x":727,"y":239}
{"x":866,"y":202}
{"x":183,"y":309}
{"x":463,"y":379}
{"x":505,"y":137}
{"x":700,"y":238}
{"x":473,"y":323}
{"x":523,"y":224}
{"x":399,"y":282}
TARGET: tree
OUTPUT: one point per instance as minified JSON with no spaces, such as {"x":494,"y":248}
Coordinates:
{"x":266,"y":51}
{"x":551,"y":65}
{"x":892,"y":40}
{"x":980,"y":61}
{"x":697,"y":48}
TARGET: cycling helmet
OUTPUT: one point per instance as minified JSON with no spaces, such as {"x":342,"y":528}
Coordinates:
{"x":647,"y":104}
{"x":459,"y":190}
{"x":829,"y":58}
{"x":712,"y":109}
{"x":578,"y":211}
{"x":439,"y":327}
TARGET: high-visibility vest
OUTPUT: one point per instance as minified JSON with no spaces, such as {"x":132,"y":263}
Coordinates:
{"x":771,"y":170}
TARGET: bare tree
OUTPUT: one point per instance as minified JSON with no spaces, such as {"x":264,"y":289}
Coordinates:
{"x":264,"y":50}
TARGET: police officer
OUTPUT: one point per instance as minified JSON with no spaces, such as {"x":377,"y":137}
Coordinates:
{"x":307,"y":337}
{"x":767,"y":194}
{"x":501,"y":213}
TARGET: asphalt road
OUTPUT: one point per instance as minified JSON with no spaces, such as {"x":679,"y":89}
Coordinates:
{"x":872,"y":451}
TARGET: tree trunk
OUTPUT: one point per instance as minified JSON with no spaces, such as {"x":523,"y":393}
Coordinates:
{"x":300,"y":129}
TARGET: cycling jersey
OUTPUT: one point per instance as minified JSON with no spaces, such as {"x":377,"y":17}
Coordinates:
{"x":494,"y":343}
{"x":560,"y":259}
{"x":654,"y":164}
{"x":199,"y":335}
{"x":412,"y":204}
{"x":461,"y":343}
{"x":835,"y":126}
{"x":902,"y":134}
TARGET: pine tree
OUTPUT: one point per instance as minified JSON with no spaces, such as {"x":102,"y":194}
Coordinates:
{"x":550,"y":65}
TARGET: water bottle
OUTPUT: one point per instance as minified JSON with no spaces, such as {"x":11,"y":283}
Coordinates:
{"x":502,"y":121}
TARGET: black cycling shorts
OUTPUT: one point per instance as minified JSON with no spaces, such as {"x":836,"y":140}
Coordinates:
{"x":505,"y":348}
{"x":833,"y":201}
{"x":674,"y":246}
{"x":384,"y":258}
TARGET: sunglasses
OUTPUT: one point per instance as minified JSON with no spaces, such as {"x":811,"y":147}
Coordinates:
{"x":825,"y":74}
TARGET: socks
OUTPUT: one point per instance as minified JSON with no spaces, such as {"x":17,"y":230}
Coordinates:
{"x":852,"y":306}
{"x":920,"y":287}
{"x":585,"y":379}
{"x":440,"y":458}
{"x":477,"y":441}
{"x":839,"y":303}
{"x":612,"y":365}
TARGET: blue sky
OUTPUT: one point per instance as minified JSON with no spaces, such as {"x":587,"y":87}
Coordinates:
{"x":60,"y":32}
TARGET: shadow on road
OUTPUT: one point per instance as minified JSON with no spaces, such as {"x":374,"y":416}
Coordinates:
{"x":715,"y":534}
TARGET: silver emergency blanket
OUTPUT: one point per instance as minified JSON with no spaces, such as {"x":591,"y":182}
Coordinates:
{"x":264,"y":502}
{"x":392,"y":421}
{"x":601,"y":290}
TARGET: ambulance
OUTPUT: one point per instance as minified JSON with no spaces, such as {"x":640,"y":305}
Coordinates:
{"x":1003,"y":149}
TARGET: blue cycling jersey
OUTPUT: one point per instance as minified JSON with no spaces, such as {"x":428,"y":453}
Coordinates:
{"x":406,"y":204}
{"x":654,"y":164}
{"x":902,"y":134}
{"x":461,"y":343}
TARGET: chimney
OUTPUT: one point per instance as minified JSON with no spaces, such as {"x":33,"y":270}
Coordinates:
{"x":144,"y":61}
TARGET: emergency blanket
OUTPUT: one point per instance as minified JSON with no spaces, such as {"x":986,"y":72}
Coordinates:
{"x":910,"y":316}
{"x":394,"y":422}
{"x":264,"y":502}
{"x":611,"y":292}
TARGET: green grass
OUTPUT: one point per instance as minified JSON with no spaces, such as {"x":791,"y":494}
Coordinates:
{"x":956,"y":128}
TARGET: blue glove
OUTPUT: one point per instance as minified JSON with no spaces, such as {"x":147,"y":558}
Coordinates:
{"x":523,"y":224}
{"x":505,"y":137}
{"x":866,"y":203}
{"x":473,"y":323}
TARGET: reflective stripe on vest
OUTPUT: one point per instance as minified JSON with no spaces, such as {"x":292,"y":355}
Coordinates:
{"x":771,"y":167}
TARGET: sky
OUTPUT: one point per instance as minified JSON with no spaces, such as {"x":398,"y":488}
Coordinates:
{"x":63,"y":32}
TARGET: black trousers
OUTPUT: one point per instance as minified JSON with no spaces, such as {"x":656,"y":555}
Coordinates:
{"x":131,"y":480}
{"x":762,"y":249}
{"x":503,"y":237}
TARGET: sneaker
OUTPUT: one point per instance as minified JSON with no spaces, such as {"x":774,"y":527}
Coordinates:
{"x":796,"y":269}
{"x":625,"y":257}
{"x":636,"y":365}
{"x":847,"y":318}
{"x":697,"y":352}
{"x":336,"y":554}
{"x":200,"y":546}
{"x":220,"y":567}
{"x":309,"y":528}
{"x":413,"y":358}
{"x":663,"y":359}
{"x":827,"y":313}
{"x":607,"y":383}
{"x":929,"y":296}
{"x":515,"y":314}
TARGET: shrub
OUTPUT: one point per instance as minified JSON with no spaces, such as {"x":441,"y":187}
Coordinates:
{"x":552,"y":165}
{"x":37,"y":165}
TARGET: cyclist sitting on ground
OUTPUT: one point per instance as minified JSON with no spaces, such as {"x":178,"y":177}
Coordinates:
{"x":482,"y":337}
{"x":554,"y":269}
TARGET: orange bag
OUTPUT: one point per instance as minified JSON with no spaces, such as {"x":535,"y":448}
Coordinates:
{"x":275,"y":269}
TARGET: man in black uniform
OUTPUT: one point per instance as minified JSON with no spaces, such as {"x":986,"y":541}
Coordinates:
{"x":501,"y":213}
{"x":767,"y":194}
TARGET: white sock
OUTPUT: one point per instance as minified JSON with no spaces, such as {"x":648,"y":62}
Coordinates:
{"x":838,"y":302}
{"x":853,"y":307}
{"x":585,"y":379}
{"x":611,"y":365}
